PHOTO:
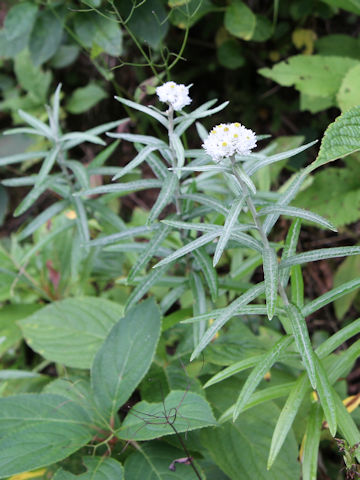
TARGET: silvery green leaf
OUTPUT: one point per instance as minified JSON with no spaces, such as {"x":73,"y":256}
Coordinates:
{"x":171,"y":297}
{"x":208,"y":271}
{"x":246,"y":240}
{"x":330,"y":296}
{"x":166,"y":195}
{"x":20,"y":181}
{"x":251,"y":167}
{"x":320,"y":254}
{"x":151,"y":248}
{"x":41,"y":127}
{"x":123,"y":187}
{"x":262,"y":367}
{"x":247,"y":266}
{"x":96,"y":131}
{"x":143,"y":139}
{"x":271,"y":277}
{"x":149,"y":111}
{"x":297,"y":212}
{"x":201,"y":130}
{"x":110,"y":171}
{"x":190,"y":247}
{"x":302,"y":340}
{"x":56,"y":108}
{"x":101,"y":157}
{"x":227,"y":313}
{"x":245,"y":178}
{"x":15,"y":131}
{"x":106,"y":214}
{"x":198,"y":110}
{"x":80,"y":172}
{"x":44,"y":216}
{"x":286,"y":198}
{"x":179,"y":151}
{"x":206,"y":200}
{"x":326,"y":395}
{"x":290,"y":249}
{"x":199,"y":304}
{"x":146,"y":283}
{"x":157,"y":166}
{"x":21,"y":157}
{"x":82,"y":222}
{"x":140,"y":157}
{"x":128,"y":233}
{"x":185,"y":123}
{"x":69,"y":138}
{"x":205,"y":168}
{"x":243,"y":310}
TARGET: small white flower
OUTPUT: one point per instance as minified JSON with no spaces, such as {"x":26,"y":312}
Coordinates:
{"x":226,"y":139}
{"x":176,"y":95}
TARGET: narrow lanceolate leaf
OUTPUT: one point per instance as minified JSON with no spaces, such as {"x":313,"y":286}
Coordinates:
{"x":44,"y":216}
{"x":144,"y":286}
{"x":341,"y":138}
{"x":310,"y":445}
{"x":230,"y":222}
{"x":330,"y":296}
{"x":347,"y":426}
{"x":80,"y":172}
{"x":252,"y":166}
{"x":271,"y":277}
{"x":179,"y":152}
{"x":298,"y":213}
{"x":208,"y":271}
{"x":228,"y":312}
{"x":27,"y":420}
{"x":332,"y":343}
{"x":82,"y":223}
{"x":286,"y":198}
{"x":190,"y":247}
{"x":149,"y":111}
{"x":200,"y":112}
{"x":286,"y":418}
{"x":143,"y":139}
{"x":21,"y":157}
{"x":243,"y":310}
{"x":199,"y":304}
{"x":326,"y":395}
{"x":166,"y":195}
{"x":302,"y":341}
{"x":297,"y":286}
{"x":69,"y":139}
{"x":320,"y":254}
{"x":246,"y":179}
{"x":38,"y":125}
{"x":135,"y":162}
{"x":289,"y":249}
{"x":206,"y":200}
{"x":258,"y":373}
{"x":149,"y":251}
{"x":123,"y":187}
{"x":125,"y":357}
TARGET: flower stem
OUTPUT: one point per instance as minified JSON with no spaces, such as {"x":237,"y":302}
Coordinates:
{"x":170,"y":114}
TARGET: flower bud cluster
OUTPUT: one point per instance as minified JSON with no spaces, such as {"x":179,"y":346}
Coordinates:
{"x":176,"y":95}
{"x":226,"y":139}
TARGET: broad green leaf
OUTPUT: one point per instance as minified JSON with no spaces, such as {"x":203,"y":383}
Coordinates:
{"x":227,"y":313}
{"x":230,"y":55}
{"x":326,"y":395}
{"x":34,"y":80}
{"x":271,"y":278}
{"x":298,"y":213}
{"x":97,"y":468}
{"x":340,"y":139}
{"x":230,"y":222}
{"x":289,"y":249}
{"x":310,"y":445}
{"x":37,"y":430}
{"x":240,"y":448}
{"x":338,"y":45}
{"x":71,"y":331}
{"x":320,"y":254}
{"x":10,"y":333}
{"x":348,"y":94}
{"x":316,"y":75}
{"x":19,"y":21}
{"x":125,"y":357}
{"x":151,"y":461}
{"x":190,"y":247}
{"x":185,"y":410}
{"x":257,"y":374}
{"x":84,"y":98}
{"x":108,"y":34}
{"x":286,"y":418}
{"x":45,"y":36}
{"x":330,"y":296}
{"x":240,"y":21}
{"x":166,"y":195}
{"x":208,"y":271}
{"x":302,"y":340}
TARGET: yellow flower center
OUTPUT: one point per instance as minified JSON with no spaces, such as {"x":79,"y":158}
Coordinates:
{"x":224,"y":144}
{"x":237,"y":125}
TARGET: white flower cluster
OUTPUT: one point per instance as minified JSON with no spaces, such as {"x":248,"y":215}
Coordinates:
{"x":226,"y":139}
{"x":176,"y":95}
